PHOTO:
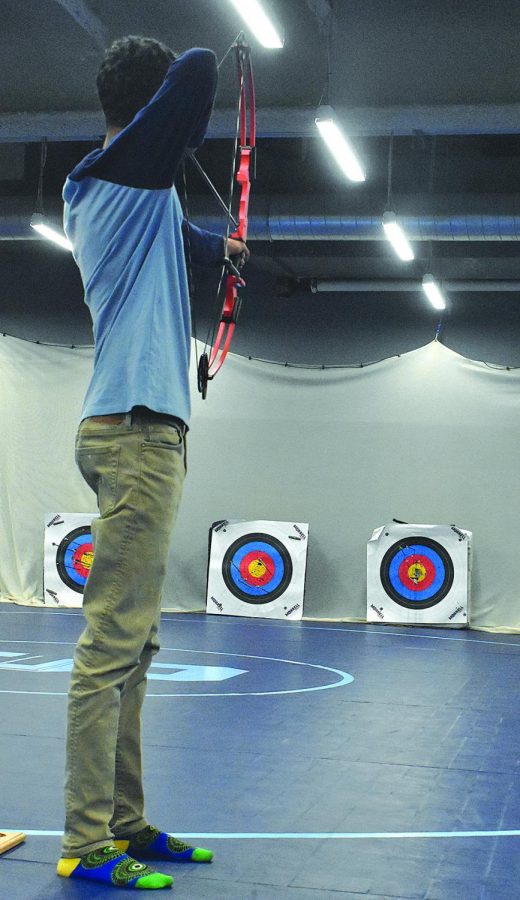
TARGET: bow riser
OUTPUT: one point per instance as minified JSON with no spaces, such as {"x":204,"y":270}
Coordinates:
{"x":243,"y":178}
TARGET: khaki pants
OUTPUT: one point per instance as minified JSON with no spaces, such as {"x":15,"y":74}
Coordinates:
{"x":137,"y":470}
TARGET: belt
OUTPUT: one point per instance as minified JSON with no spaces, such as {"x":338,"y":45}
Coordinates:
{"x":142,"y":414}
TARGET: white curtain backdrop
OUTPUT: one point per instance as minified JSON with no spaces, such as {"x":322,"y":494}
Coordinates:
{"x":427,"y":437}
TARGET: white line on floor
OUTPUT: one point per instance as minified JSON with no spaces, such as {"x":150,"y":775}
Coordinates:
{"x":316,"y":836}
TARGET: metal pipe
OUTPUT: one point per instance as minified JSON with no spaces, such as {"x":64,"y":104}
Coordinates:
{"x":324,"y":285}
{"x":266,"y":223}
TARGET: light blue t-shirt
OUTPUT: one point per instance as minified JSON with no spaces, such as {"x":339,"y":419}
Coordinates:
{"x":125,"y":222}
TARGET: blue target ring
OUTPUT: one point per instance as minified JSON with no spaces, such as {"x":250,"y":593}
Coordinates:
{"x":257,"y":568}
{"x":74,"y":558}
{"x":262,"y":550}
{"x":417,"y":573}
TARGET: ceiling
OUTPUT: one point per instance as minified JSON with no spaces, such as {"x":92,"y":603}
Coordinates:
{"x":441,"y":77}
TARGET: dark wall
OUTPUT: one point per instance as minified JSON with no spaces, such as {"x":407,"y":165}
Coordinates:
{"x":41,"y":296}
{"x":41,"y":299}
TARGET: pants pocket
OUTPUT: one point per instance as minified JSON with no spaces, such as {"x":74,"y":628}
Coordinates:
{"x":99,"y":467}
{"x":167,"y":437}
{"x":163,"y":436}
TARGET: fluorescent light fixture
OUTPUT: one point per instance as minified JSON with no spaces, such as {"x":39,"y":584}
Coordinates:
{"x":397,"y":237}
{"x":433,"y":292}
{"x":256,"y":19}
{"x":338,"y":144}
{"x":42,"y":225}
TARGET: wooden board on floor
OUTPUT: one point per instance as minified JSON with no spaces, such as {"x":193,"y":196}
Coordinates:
{"x":10,"y":839}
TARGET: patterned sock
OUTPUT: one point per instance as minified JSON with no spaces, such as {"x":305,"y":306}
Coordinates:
{"x":150,"y":843}
{"x":109,"y":866}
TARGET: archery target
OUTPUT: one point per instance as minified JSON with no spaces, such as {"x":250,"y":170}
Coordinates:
{"x":68,"y":555}
{"x":418,"y":574}
{"x":257,"y":569}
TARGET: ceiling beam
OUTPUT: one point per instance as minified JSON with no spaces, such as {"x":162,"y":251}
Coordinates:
{"x":280,"y":122}
{"x":88,"y":21}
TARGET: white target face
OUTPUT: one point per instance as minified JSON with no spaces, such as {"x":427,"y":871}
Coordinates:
{"x":418,"y":574}
{"x":257,"y":569}
{"x":68,"y":555}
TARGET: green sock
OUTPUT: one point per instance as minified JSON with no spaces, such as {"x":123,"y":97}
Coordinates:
{"x":109,"y":866}
{"x":154,"y":844}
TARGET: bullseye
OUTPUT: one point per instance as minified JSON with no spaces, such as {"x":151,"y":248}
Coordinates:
{"x":257,"y":569}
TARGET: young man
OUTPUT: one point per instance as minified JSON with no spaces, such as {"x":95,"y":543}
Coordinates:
{"x":123,"y":217}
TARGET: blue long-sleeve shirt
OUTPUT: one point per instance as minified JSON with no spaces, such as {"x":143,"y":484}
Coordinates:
{"x":125,"y":222}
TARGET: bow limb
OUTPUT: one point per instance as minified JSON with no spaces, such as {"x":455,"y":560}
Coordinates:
{"x":227,"y":324}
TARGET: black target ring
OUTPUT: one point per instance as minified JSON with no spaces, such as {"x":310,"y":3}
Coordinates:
{"x":430,"y":560}
{"x":69,"y":562}
{"x":257,"y":568}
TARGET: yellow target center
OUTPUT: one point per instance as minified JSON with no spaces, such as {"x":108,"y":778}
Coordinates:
{"x":257,"y":568}
{"x":86,"y":559}
{"x":416,"y":572}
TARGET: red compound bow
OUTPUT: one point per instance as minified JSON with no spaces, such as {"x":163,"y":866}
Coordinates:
{"x":243,"y":174}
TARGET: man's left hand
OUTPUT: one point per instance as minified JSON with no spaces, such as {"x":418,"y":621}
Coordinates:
{"x":238,"y":252}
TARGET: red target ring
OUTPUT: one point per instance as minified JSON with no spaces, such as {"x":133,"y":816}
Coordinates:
{"x":82,"y":559}
{"x":257,"y":567}
{"x":417,"y":572}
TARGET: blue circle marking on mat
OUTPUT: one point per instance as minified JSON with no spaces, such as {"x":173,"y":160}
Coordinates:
{"x":287,"y":676}
{"x":277,"y":573}
{"x":417,"y":596}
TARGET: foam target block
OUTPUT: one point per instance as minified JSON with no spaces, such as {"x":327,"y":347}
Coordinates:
{"x":419,"y":574}
{"x":68,"y":556}
{"x":257,"y":569}
{"x":10,"y":839}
